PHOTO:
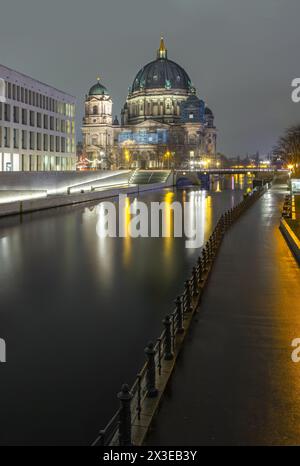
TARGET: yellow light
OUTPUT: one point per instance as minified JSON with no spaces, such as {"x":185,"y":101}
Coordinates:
{"x":290,"y":166}
{"x":127,"y":155}
{"x":293,"y":208}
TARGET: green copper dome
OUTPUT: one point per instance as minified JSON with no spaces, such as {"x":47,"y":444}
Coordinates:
{"x":162,"y":73}
{"x":98,"y":89}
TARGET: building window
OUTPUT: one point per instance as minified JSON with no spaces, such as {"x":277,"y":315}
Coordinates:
{"x":95,"y":110}
{"x":24,"y":139}
{"x":191,"y":116}
{"x":31,"y":140}
{"x":16,"y":138}
{"x":24,"y":116}
{"x":6,"y":112}
{"x":57,"y":144}
{"x":16,"y":114}
{"x":63,"y":145}
{"x":39,"y":141}
{"x":39,"y":120}
{"x":31,"y":118}
{"x":46,"y":142}
{"x":6,"y":137}
{"x":46,"y":121}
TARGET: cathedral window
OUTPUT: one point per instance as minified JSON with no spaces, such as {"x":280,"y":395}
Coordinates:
{"x":95,"y":110}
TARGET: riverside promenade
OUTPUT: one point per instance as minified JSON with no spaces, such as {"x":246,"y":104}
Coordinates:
{"x":235,"y":382}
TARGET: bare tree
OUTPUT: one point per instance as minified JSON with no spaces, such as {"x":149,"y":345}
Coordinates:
{"x":288,"y":146}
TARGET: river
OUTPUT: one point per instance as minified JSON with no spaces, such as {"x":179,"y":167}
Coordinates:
{"x":77,"y":311}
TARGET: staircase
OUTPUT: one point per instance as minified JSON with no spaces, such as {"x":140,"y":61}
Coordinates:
{"x":149,"y":176}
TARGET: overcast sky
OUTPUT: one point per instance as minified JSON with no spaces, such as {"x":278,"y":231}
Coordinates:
{"x":240,"y":54}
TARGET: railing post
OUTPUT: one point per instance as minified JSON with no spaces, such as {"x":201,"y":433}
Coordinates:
{"x":210,"y":247}
{"x":200,"y":271}
{"x":179,"y":316}
{"x":205,"y":260}
{"x":151,"y":371}
{"x":168,"y":339}
{"x":222,"y":223}
{"x":187,"y":296}
{"x":195,"y":282}
{"x":125,"y":397}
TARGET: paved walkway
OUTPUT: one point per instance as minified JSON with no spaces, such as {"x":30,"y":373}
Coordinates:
{"x":235,"y":382}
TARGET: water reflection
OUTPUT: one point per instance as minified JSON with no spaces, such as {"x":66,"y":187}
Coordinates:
{"x":97,"y":299}
{"x":127,"y":238}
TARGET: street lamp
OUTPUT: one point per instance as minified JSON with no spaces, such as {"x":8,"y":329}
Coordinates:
{"x":167,"y":156}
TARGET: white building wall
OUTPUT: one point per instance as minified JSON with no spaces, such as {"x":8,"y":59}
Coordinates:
{"x":37,"y":125}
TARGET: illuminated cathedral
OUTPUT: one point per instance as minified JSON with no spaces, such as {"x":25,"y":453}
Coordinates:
{"x":163,"y":124}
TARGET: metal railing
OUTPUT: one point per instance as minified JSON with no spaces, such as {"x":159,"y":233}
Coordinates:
{"x":118,"y":431}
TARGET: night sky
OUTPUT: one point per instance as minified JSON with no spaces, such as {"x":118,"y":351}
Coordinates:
{"x":240,"y":54}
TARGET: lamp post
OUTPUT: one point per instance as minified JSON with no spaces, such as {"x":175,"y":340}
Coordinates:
{"x":167,"y":157}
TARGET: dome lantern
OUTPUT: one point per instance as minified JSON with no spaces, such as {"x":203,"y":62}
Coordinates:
{"x":162,"y":51}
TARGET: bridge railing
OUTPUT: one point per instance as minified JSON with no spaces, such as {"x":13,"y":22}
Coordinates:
{"x":118,"y":431}
{"x":228,"y":170}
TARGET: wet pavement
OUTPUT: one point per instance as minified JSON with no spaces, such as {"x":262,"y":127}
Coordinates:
{"x":235,"y":382}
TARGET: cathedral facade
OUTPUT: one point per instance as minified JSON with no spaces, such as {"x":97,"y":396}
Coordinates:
{"x":163,"y":123}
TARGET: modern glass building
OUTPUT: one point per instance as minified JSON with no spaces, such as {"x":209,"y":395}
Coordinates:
{"x":37,"y":125}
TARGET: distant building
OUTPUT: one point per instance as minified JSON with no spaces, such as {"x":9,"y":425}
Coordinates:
{"x":163,"y":122}
{"x":37,"y":125}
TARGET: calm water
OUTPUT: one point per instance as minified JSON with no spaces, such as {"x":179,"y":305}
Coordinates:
{"x":77,"y":311}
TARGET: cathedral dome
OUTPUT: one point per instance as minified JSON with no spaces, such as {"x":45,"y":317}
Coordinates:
{"x":98,"y":89}
{"x":162,"y":73}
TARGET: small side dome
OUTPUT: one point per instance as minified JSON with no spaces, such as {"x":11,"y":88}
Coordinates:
{"x":208,"y":112}
{"x":98,"y":89}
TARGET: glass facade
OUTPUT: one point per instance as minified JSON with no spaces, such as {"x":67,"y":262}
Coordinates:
{"x":160,"y":136}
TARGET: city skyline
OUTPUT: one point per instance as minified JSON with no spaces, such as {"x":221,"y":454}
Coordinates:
{"x":244,"y":81}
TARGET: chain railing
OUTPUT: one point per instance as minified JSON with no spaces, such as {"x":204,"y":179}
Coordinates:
{"x":118,"y":431}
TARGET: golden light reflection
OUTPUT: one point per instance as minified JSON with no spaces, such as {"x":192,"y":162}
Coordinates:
{"x":127,"y":238}
{"x":218,"y":187}
{"x":169,"y":223}
{"x":208,"y":215}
